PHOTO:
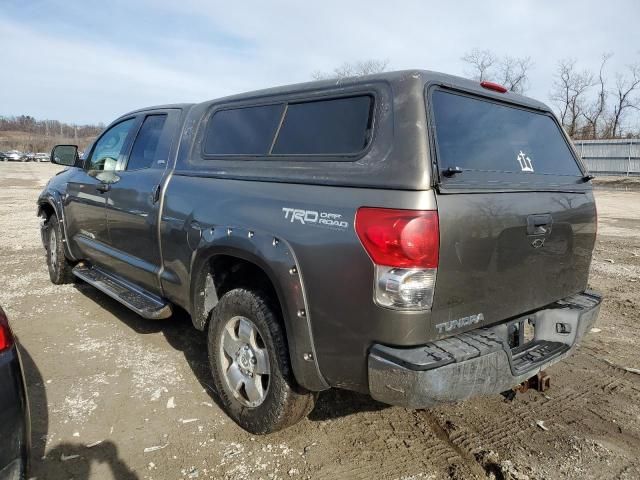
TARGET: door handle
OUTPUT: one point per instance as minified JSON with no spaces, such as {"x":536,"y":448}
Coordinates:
{"x":156,"y":193}
{"x":539,"y":224}
{"x":103,"y":187}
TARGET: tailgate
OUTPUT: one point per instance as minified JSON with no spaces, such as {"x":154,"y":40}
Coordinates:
{"x":517,"y":220}
{"x":495,"y":259}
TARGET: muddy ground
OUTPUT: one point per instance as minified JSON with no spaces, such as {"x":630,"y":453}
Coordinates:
{"x":117,"y":396}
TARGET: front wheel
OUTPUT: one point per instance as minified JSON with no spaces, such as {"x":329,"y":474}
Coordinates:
{"x":250,"y":364}
{"x":59,"y":267}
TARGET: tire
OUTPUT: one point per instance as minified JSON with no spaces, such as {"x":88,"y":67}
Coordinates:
{"x":244,"y":340}
{"x":59,"y":267}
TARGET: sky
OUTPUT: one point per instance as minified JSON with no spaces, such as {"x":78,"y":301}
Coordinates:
{"x":91,"y":61}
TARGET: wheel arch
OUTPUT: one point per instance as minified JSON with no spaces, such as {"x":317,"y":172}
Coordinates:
{"x":49,"y":205}
{"x":211,"y":279}
{"x":270,"y":265}
{"x":46,"y":208}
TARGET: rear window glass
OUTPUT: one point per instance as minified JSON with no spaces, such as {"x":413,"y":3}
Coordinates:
{"x":242,"y":131}
{"x":329,"y":127}
{"x":475,"y":134}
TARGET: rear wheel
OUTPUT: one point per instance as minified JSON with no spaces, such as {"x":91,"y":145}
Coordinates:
{"x":250,"y":364}
{"x":59,"y":267}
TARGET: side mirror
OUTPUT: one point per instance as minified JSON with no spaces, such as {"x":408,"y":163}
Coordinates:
{"x":66,"y":155}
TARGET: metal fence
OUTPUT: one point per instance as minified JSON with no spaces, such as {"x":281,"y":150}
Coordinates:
{"x":610,"y":157}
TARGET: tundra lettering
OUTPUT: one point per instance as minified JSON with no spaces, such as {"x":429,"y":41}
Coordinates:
{"x":459,"y":323}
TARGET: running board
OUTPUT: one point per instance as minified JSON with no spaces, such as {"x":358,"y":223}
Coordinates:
{"x":143,"y":303}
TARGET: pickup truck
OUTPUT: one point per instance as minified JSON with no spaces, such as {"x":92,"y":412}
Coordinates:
{"x":416,"y":236}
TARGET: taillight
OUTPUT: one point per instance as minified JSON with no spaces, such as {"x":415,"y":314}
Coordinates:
{"x":6,"y":338}
{"x":404,"y":246}
{"x":496,"y":87}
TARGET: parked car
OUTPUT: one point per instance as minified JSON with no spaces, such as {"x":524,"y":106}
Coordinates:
{"x":4,"y":157}
{"x":15,"y":156}
{"x":416,"y":236}
{"x":15,"y":426}
{"x":42,"y":157}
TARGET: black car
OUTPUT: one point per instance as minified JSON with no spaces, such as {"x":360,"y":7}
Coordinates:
{"x":14,"y":409}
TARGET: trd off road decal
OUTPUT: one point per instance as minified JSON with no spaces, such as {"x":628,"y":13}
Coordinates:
{"x":525,"y":162}
{"x":315,"y":218}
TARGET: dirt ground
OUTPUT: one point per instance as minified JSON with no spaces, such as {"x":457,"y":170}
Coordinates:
{"x":116,"y":396}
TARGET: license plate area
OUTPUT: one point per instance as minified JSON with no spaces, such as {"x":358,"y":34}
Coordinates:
{"x":521,"y":333}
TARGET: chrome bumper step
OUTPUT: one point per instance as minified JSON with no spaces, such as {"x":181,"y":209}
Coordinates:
{"x":536,"y":354}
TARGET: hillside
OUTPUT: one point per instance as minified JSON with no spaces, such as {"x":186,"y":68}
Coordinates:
{"x":30,"y":142}
{"x":26,"y":134}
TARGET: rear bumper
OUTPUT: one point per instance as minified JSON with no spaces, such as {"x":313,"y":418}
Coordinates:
{"x":479,"y":362}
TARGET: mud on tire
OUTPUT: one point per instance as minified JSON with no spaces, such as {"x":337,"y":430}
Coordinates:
{"x":245,"y":340}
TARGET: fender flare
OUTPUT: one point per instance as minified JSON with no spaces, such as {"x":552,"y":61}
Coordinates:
{"x":54,"y":200}
{"x":275,"y":257}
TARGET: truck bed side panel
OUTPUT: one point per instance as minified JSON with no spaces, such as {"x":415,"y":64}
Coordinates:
{"x":336,"y":270}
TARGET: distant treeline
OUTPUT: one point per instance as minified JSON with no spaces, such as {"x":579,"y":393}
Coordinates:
{"x":27,"y":134}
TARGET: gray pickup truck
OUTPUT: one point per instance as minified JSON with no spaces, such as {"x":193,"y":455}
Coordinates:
{"x":413,"y":235}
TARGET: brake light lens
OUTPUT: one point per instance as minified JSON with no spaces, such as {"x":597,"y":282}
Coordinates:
{"x":399,"y":238}
{"x":6,"y":338}
{"x":496,"y":87}
{"x":404,"y":246}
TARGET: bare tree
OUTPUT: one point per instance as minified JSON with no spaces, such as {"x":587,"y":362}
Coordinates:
{"x":625,"y":87}
{"x":357,"y":69}
{"x":481,"y":63}
{"x":597,"y":109}
{"x":569,"y":90}
{"x":512,"y":72}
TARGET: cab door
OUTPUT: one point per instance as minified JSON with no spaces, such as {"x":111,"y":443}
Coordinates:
{"x":133,"y":200}
{"x":86,"y":198}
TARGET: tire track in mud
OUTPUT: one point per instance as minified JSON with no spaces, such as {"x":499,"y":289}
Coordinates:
{"x":603,"y":395}
{"x":396,"y":444}
{"x":460,"y":448}
{"x":608,"y":394}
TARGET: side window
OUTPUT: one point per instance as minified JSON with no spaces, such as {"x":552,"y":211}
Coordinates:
{"x":109,"y":147}
{"x":325,"y":127}
{"x":146,"y":147}
{"x":242,"y":131}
